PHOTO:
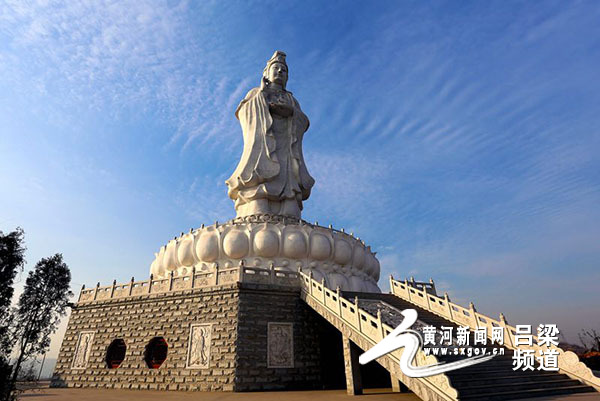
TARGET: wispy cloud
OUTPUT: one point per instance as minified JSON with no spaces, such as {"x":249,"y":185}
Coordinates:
{"x":128,"y":60}
{"x":461,"y":144}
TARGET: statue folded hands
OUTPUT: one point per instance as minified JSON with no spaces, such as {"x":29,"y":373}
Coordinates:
{"x":271,"y":177}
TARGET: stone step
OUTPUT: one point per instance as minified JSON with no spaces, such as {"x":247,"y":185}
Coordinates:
{"x":491,"y":380}
{"x":491,"y":372}
{"x":517,"y":386}
{"x":522,"y":394}
{"x":501,"y":379}
{"x":488,"y":366}
{"x":502,"y":359}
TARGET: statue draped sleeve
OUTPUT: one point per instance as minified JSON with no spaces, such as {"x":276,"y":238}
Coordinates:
{"x":258,"y":163}
{"x":300,"y":126}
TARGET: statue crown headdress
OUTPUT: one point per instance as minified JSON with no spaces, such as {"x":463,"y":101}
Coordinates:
{"x":278,"y":57}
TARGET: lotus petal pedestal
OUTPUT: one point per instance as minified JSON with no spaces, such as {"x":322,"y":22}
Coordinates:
{"x":339,"y":259}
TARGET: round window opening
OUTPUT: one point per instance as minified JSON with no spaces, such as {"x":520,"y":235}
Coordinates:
{"x":115,"y":353}
{"x":156,"y":352}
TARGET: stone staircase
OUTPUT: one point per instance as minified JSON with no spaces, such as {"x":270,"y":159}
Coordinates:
{"x":491,"y":380}
{"x":364,"y":319}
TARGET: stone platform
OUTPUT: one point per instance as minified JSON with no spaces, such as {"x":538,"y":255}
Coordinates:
{"x":71,"y":394}
{"x":229,"y":337}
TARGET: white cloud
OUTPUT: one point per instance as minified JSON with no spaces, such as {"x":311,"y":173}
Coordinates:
{"x":123,"y":59}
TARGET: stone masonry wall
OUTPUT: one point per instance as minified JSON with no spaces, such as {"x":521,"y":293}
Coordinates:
{"x":137,"y":320}
{"x":257,"y":308}
{"x":239,"y":314}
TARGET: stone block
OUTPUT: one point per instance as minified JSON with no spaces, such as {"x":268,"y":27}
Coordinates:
{"x":239,"y":318}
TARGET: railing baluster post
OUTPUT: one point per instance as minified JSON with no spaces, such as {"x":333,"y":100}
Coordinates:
{"x":507,"y":334}
{"x":408,"y":289}
{"x":433,"y":286}
{"x":112,"y":290}
{"x":473,"y":312}
{"x":448,"y":306}
{"x":358,"y":320}
{"x":380,"y":325}
{"x":96,"y":290}
{"x":427,"y":300}
{"x":81,"y":293}
{"x":272,"y":272}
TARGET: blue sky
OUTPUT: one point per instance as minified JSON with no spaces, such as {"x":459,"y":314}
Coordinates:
{"x":459,"y":139}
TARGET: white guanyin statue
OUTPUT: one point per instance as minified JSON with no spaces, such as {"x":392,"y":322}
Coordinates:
{"x":268,"y":187}
{"x":271,"y":177}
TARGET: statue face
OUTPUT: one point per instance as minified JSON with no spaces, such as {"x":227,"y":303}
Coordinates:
{"x":278,"y":74}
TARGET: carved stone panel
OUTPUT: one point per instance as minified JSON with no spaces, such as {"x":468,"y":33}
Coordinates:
{"x":280,"y":345}
{"x":198,"y":356}
{"x":82,"y":351}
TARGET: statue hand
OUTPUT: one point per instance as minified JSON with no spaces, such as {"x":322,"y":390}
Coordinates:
{"x":282,"y":110}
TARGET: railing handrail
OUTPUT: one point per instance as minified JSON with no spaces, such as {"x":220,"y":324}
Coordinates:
{"x":371,"y":327}
{"x":218,"y":275}
{"x":568,"y":361}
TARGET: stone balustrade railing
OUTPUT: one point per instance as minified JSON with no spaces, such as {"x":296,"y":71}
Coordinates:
{"x":204,"y":279}
{"x":428,"y":286}
{"x":374,"y":330}
{"x":568,"y":361}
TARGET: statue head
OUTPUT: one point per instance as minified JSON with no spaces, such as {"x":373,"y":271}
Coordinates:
{"x":276,"y":70}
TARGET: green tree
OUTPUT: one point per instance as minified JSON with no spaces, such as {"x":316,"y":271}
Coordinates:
{"x":12,"y":250}
{"x":41,"y":305}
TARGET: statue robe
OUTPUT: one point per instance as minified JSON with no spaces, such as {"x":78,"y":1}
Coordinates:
{"x":261,"y":174}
